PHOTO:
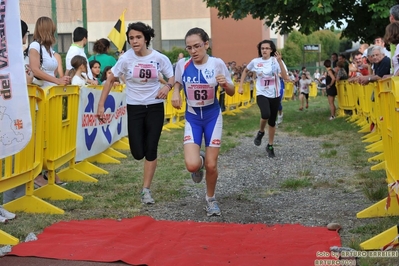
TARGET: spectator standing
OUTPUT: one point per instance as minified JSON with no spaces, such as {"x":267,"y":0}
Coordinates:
{"x":330,"y":88}
{"x":77,"y":48}
{"x":101,"y":54}
{"x":44,"y":66}
{"x":334,"y":60}
{"x":381,"y":66}
{"x":392,"y":37}
{"x":380,"y":42}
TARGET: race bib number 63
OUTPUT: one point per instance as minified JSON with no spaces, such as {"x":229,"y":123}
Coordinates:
{"x":199,"y":95}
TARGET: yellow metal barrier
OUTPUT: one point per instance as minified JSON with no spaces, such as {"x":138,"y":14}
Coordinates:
{"x":180,"y":113}
{"x":61,"y":111}
{"x":288,"y":91}
{"x":170,"y":113}
{"x":388,"y":93}
{"x":232,"y":102}
{"x":23,"y":167}
{"x":346,"y":97}
{"x":313,"y":90}
{"x":245,"y":98}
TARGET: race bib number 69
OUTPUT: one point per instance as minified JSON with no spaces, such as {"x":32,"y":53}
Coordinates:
{"x":145,"y":71}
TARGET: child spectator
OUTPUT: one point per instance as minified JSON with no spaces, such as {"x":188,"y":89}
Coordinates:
{"x":78,"y":73}
{"x":107,"y":71}
{"x":95,"y":68}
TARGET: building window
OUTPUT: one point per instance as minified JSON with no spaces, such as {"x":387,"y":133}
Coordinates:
{"x":167,"y":45}
{"x":64,"y":42}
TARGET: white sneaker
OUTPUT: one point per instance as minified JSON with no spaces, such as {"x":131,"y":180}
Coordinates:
{"x":332,"y":117}
{"x":279,"y":119}
{"x":6,"y":214}
{"x":3,"y":220}
{"x":146,"y":197}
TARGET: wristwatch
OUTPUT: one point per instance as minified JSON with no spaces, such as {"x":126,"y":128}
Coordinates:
{"x":369,"y":78}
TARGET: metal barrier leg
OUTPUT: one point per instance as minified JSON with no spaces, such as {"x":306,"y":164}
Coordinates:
{"x":6,"y":239}
{"x":114,"y":153}
{"x":378,"y":209}
{"x":375,"y":147}
{"x":379,"y":157}
{"x":86,"y":167}
{"x":104,"y":158}
{"x":121,"y":145}
{"x":379,"y":241}
{"x":32,"y":204}
{"x":379,"y":166}
{"x":56,"y":192}
{"x":76,"y":175}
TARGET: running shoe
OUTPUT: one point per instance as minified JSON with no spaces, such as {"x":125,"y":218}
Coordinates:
{"x":270,"y":151}
{"x":258,"y":138}
{"x":146,"y":197}
{"x":332,"y":117}
{"x":279,"y":119}
{"x":199,"y":175}
{"x":3,"y":220}
{"x":212,"y":208}
{"x":6,"y":214}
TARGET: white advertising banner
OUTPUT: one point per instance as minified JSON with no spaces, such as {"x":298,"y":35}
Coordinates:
{"x":15,"y":119}
{"x":93,"y":136}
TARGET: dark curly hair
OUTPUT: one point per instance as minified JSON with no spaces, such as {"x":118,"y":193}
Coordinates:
{"x":272,"y":45}
{"x":147,"y":31}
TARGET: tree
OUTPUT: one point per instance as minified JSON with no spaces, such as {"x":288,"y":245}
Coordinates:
{"x":329,"y":41}
{"x":365,"y":19}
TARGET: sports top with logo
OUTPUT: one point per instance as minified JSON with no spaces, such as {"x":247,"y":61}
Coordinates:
{"x":203,"y":113}
{"x":199,"y":83}
{"x":267,"y":82}
{"x":141,"y":74}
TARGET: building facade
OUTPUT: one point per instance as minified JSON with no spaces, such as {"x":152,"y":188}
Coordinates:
{"x":230,"y":39}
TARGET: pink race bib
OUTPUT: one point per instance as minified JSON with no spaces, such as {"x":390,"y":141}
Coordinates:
{"x":267,"y":81}
{"x":145,"y":71}
{"x":199,"y":95}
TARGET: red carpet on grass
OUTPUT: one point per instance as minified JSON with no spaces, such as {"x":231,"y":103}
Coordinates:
{"x":145,"y":241}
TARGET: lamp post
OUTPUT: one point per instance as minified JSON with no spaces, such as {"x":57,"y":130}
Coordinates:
{"x":156,"y":24}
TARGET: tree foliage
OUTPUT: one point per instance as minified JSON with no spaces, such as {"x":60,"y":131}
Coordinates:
{"x":365,"y":19}
{"x":330,"y":42}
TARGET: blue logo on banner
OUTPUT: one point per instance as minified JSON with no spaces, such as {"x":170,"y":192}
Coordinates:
{"x":89,"y":138}
{"x":109,"y":103}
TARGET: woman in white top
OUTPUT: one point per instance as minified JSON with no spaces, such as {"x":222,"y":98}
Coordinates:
{"x":44,"y":65}
{"x":144,"y":97}
{"x":41,"y":54}
{"x":266,"y":67}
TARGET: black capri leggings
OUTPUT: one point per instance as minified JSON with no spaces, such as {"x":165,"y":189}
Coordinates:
{"x":144,"y":125}
{"x":268,"y":108}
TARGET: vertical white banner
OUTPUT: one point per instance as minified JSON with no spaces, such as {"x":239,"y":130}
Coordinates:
{"x":92,"y":136}
{"x":15,"y":119}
